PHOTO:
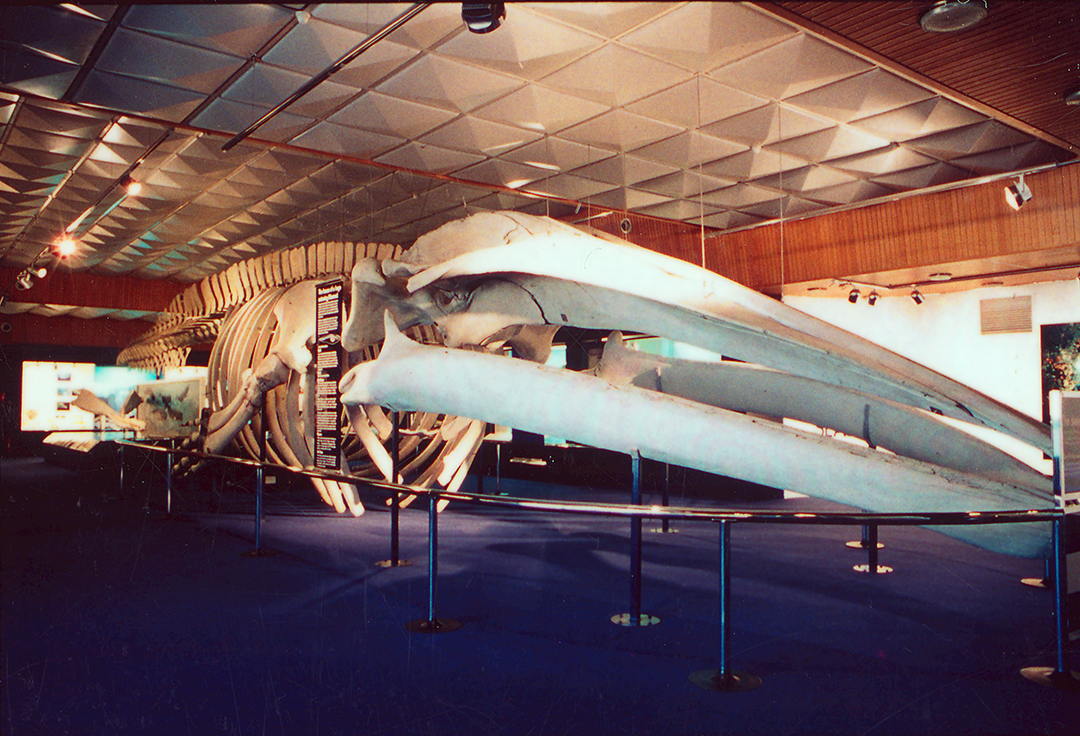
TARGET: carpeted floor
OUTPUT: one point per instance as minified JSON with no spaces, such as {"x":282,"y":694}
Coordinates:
{"x":118,"y":619}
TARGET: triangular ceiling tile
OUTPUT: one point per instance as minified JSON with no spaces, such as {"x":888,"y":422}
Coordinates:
{"x":623,"y":170}
{"x":603,"y":19}
{"x":863,"y":95}
{"x":619,"y":130}
{"x":627,"y":199}
{"x":920,"y":119}
{"x":703,"y":36}
{"x":541,"y":109}
{"x":555,"y":154}
{"x":696,"y":102}
{"x":792,"y":67}
{"x":978,"y":138}
{"x":432,"y":159}
{"x":615,"y":75}
{"x":689,"y":149}
{"x":391,"y":116}
{"x":894,"y":157}
{"x":765,"y":125}
{"x":529,"y":47}
{"x":441,"y":82}
{"x":836,"y":142}
{"x":472,"y":134}
{"x":923,"y":176}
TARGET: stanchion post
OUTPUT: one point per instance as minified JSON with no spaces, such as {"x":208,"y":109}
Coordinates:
{"x":665,"y":499}
{"x":395,"y":506}
{"x":635,"y":617}
{"x":1061,"y":603}
{"x":258,"y":506}
{"x":870,"y":541}
{"x":260,"y":471}
{"x":635,"y":540}
{"x":432,"y":624}
{"x":1065,"y":439}
{"x":121,"y":471}
{"x":724,"y":678}
{"x":395,"y":497}
{"x":168,"y":481}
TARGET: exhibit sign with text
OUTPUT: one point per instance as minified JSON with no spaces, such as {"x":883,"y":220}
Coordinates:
{"x":328,"y":296}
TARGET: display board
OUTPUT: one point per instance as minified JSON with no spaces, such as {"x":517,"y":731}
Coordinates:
{"x":327,"y":374}
{"x":49,"y":388}
{"x":170,"y":408}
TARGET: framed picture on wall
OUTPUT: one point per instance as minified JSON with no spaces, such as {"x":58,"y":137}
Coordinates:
{"x":1060,"y":360}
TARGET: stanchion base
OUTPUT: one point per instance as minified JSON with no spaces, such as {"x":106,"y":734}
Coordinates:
{"x":626,"y":619}
{"x":881,"y":569}
{"x":732,"y":682}
{"x":259,"y":552}
{"x":428,"y":626}
{"x":1037,"y":583}
{"x":391,"y":563}
{"x":1052,"y":678}
{"x":859,"y":544}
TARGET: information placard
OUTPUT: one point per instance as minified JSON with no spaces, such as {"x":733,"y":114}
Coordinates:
{"x":328,"y":308}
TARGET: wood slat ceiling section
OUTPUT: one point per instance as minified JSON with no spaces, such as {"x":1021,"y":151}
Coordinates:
{"x":90,"y":290}
{"x":961,"y":225}
{"x":1021,"y":59}
{"x":33,"y":329}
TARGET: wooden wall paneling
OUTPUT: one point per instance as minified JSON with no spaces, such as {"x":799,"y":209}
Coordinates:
{"x":965,"y":224}
{"x":32,"y":329}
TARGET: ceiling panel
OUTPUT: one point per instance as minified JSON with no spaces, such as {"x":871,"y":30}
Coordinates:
{"x":719,"y":115}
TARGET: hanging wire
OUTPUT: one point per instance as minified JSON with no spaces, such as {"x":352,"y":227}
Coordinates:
{"x":780,"y":155}
{"x":701,"y":182}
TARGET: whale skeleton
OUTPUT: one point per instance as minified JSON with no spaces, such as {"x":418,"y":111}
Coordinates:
{"x":474,"y":287}
{"x":516,"y":278}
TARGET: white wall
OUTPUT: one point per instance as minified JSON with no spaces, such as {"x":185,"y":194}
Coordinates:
{"x":943,"y":333}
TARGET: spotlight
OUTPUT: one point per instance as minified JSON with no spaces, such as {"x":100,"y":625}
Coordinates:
{"x":916,"y":297}
{"x":483,"y":17}
{"x":25,"y":280}
{"x":853,"y":296}
{"x":41,"y":272}
{"x":872,"y":298}
{"x":130,"y":186}
{"x":1017,"y":194}
{"x":66,"y":247}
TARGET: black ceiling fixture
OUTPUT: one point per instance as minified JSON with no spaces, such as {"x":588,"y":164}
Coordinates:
{"x":483,"y":17}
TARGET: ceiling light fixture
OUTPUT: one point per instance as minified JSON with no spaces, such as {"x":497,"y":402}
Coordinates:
{"x":483,"y":17}
{"x":1073,"y":98}
{"x":916,"y":297}
{"x":131,"y":187}
{"x":872,"y":299}
{"x":949,"y":16}
{"x":853,"y":296}
{"x":1016,"y":195}
{"x":66,"y":247}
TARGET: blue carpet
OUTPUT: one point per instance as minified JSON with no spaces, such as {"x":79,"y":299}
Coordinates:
{"x":120,"y":620}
